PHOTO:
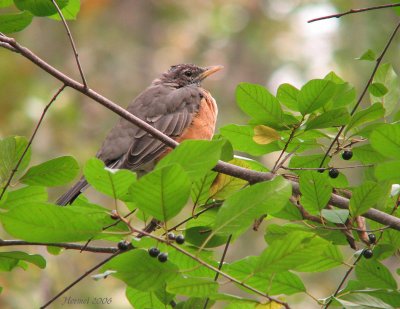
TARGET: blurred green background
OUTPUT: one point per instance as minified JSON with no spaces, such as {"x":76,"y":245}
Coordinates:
{"x":123,"y":45}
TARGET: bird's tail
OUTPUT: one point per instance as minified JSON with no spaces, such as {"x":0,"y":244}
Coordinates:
{"x":69,"y":196}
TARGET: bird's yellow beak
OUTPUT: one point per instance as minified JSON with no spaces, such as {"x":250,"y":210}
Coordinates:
{"x":210,"y":70}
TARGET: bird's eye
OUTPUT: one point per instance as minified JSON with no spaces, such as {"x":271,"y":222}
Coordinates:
{"x":188,"y":73}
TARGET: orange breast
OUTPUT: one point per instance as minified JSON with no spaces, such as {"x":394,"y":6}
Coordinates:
{"x":203,"y":123}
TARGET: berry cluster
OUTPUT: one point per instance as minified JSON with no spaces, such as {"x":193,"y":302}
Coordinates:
{"x":334,"y":172}
{"x":162,"y":256}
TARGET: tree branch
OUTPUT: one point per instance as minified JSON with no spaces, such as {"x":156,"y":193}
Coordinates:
{"x":71,"y":40}
{"x":222,"y":167}
{"x":371,"y":78}
{"x":31,"y":140}
{"x":4,"y":243}
{"x":355,"y":11}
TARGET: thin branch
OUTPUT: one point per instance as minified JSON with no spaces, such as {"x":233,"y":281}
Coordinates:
{"x":221,"y":262}
{"x":291,"y":136}
{"x":355,"y":11}
{"x":72,"y":43}
{"x":347,"y":274}
{"x":222,"y":167}
{"x":378,"y":62}
{"x":80,"y":279}
{"x":4,"y":243}
{"x":215,"y":269}
{"x":31,"y":140}
{"x":324,"y":168}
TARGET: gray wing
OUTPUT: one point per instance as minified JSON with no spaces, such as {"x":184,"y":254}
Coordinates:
{"x":169,"y":110}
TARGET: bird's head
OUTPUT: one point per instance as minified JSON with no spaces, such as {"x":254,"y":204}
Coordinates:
{"x":188,"y":74}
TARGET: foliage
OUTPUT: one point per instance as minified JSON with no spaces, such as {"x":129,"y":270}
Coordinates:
{"x":310,"y":237}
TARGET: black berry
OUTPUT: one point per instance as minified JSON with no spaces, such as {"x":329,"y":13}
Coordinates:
{"x":367,"y":253}
{"x":321,"y":170}
{"x":154,"y":252}
{"x":372,"y":238}
{"x":171,"y":236}
{"x":347,"y":155}
{"x":333,"y":173}
{"x":123,"y":245}
{"x":180,"y":239}
{"x":163,"y":257}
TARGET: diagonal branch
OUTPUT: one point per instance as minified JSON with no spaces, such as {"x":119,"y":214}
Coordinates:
{"x":222,"y":167}
{"x":78,"y":63}
{"x":371,"y":78}
{"x":355,"y":11}
{"x":30,"y":140}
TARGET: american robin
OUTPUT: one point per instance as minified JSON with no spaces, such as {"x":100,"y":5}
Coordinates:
{"x":176,"y":104}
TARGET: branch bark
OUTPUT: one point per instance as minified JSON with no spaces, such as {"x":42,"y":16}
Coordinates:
{"x":221,"y":167}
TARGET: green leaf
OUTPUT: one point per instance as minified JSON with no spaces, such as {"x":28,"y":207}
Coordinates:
{"x":332,"y":118}
{"x":201,"y":188}
{"x":259,"y":104}
{"x":387,"y":76}
{"x":70,"y":11}
{"x":16,"y":256}
{"x":377,"y":89}
{"x":25,"y":195}
{"x":310,"y":161}
{"x":375,"y":275}
{"x":369,"y":55}
{"x":241,"y":138}
{"x":362,"y":300}
{"x":140,"y":271}
{"x":198,"y":287}
{"x":367,"y":155}
{"x":196,"y":157}
{"x":55,"y":172}
{"x":40,"y":7}
{"x":369,"y":114}
{"x":15,"y":22}
{"x":290,"y":252}
{"x":386,"y":140}
{"x":239,"y":210}
{"x":143,"y":300}
{"x":335,"y":215}
{"x":113,"y":182}
{"x":287,"y":95}
{"x":316,"y":191}
{"x":273,"y":284}
{"x":315,"y":94}
{"x":5,"y":3}
{"x":50,"y":223}
{"x":364,"y":197}
{"x":163,"y":192}
{"x":388,"y":171}
{"x":11,"y":149}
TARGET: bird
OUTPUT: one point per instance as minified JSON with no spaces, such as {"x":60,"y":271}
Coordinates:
{"x":176,"y":104}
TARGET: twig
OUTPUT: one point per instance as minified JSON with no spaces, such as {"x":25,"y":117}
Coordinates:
{"x":348,"y":272}
{"x":215,"y":269}
{"x":72,"y":43}
{"x":31,"y":140}
{"x":222,"y":167}
{"x":4,"y":243}
{"x":106,"y":228}
{"x":323,"y":168}
{"x":221,"y":262}
{"x":286,"y":145}
{"x":355,"y":11}
{"x":80,"y":279}
{"x":378,"y":62}
{"x":286,"y":158}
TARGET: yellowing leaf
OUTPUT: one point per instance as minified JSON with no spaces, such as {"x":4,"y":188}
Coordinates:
{"x":270,"y":305}
{"x":264,"y":135}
